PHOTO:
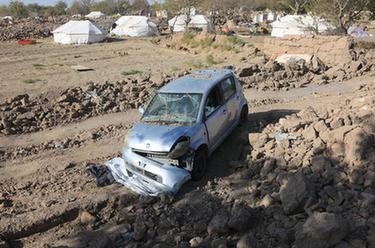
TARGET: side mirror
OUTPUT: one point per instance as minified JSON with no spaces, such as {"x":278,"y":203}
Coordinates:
{"x":141,"y":110}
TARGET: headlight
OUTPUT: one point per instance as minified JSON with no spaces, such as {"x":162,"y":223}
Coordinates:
{"x":126,"y":139}
{"x":180,"y":148}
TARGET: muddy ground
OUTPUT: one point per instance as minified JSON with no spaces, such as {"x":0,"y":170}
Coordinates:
{"x":47,"y":199}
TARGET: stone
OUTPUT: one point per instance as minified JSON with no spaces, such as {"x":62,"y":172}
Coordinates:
{"x":322,"y":230}
{"x":258,"y":140}
{"x":266,"y":201}
{"x":268,"y":166}
{"x":295,"y":193}
{"x":242,"y":217}
{"x":357,"y":145}
{"x":247,"y":241}
{"x":195,"y":242}
{"x":218,"y":224}
{"x":219,"y":243}
{"x":86,"y":218}
{"x":248,"y":71}
{"x":309,"y":133}
{"x":336,"y":123}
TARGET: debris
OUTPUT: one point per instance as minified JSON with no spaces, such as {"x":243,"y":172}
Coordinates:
{"x":81,"y":68}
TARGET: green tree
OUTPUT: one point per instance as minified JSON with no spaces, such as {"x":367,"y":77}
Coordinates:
{"x":111,"y":7}
{"x":81,"y":7}
{"x":60,"y":8}
{"x":342,"y":13}
{"x":18,"y":9}
{"x":35,"y":8}
{"x":295,"y":6}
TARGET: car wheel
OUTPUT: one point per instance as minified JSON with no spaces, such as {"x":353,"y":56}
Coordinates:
{"x":244,"y":114}
{"x":199,"y":165}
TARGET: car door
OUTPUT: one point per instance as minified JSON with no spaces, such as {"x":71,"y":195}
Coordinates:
{"x":215,"y":114}
{"x":231,"y":100}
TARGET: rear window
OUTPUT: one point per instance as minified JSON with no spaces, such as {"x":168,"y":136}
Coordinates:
{"x":228,"y":87}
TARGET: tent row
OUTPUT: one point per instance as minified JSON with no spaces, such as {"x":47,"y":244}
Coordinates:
{"x":85,"y":32}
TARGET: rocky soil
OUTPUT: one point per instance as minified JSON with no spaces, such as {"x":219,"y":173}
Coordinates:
{"x":23,"y":114}
{"x":305,"y":179}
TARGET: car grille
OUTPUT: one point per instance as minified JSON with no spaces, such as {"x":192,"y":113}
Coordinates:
{"x":159,"y":157}
{"x":144,"y":173}
{"x":151,"y":154}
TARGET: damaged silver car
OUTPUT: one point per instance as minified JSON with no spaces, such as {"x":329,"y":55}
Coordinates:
{"x":182,"y":125}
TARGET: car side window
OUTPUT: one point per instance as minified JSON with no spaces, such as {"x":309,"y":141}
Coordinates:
{"x":228,"y":87}
{"x":213,"y":101}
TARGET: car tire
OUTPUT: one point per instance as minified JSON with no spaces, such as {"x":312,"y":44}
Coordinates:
{"x":199,"y":165}
{"x":244,"y":115}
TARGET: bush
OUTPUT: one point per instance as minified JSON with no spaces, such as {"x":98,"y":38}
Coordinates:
{"x":131,"y":72}
{"x":188,"y":37}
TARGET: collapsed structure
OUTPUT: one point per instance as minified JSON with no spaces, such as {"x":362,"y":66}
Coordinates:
{"x":78,"y":32}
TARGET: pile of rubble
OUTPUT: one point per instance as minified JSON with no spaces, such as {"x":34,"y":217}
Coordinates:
{"x":23,"y":114}
{"x":307,"y":182}
{"x":25,"y":28}
{"x":35,"y":28}
{"x":317,"y":176}
{"x":271,"y":75}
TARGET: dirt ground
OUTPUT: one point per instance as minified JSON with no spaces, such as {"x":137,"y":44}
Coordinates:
{"x":44,"y":185}
{"x":49,"y":64}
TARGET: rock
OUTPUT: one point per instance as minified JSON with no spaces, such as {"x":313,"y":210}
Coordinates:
{"x":258,"y":140}
{"x":309,"y":133}
{"x":292,"y":124}
{"x":140,"y":230}
{"x":248,"y":71}
{"x":247,"y":241}
{"x":86,"y":218}
{"x":317,"y":65}
{"x":242,"y":217}
{"x":218,"y":224}
{"x":219,"y":243}
{"x":195,"y":242}
{"x":337,"y":122}
{"x":3,"y":244}
{"x":357,"y":145}
{"x":266,"y":201}
{"x":295,"y":193}
{"x":321,"y":230}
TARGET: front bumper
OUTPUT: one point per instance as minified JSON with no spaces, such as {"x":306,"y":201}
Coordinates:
{"x":160,"y":175}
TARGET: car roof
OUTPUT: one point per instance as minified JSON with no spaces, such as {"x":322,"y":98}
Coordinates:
{"x":197,"y":82}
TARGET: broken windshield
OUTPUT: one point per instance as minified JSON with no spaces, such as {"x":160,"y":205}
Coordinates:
{"x":173,"y":108}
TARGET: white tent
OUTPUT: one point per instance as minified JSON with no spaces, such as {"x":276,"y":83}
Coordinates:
{"x":135,"y":26}
{"x":95,"y":14}
{"x":78,"y":32}
{"x":299,"y":25}
{"x":178,"y":23}
{"x":271,"y":17}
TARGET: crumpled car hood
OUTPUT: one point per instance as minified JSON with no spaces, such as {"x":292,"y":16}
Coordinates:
{"x":157,"y":138}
